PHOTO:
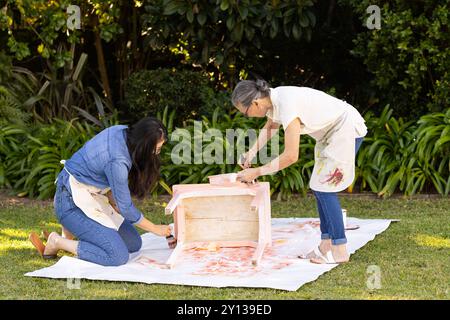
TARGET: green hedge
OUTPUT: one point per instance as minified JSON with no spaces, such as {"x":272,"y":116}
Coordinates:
{"x":30,"y":156}
{"x":11,"y":110}
{"x":396,"y":156}
{"x":409,"y":56}
{"x":187,"y":93}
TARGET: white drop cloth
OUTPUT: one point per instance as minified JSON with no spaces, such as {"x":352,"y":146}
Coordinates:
{"x":227,"y":267}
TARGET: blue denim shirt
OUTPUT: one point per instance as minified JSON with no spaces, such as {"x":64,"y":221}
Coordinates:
{"x":104,"y":161}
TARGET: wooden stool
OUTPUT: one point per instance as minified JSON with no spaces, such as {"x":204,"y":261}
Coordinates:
{"x":231,"y":214}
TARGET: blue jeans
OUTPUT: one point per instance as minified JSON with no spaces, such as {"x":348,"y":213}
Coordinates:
{"x":97,"y":243}
{"x":330,"y":212}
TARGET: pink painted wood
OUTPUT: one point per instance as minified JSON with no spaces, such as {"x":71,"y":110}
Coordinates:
{"x":232,"y":214}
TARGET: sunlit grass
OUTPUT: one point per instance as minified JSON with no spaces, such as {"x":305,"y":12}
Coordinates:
{"x":13,"y":239}
{"x":432,"y":241}
{"x":13,"y":233}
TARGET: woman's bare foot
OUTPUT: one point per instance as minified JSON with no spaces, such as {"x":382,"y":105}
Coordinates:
{"x":324,"y":247}
{"x":51,"y":248}
{"x":339,"y":252}
{"x":66,"y":234}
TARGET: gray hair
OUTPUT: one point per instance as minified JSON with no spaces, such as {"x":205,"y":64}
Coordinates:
{"x":248,"y":90}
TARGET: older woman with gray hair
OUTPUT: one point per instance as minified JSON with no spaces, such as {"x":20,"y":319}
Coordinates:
{"x":338,"y":129}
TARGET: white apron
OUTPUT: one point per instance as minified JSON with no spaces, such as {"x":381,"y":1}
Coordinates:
{"x":94,"y":203}
{"x":334,"y":153}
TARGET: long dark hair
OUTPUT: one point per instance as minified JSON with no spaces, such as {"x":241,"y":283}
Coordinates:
{"x":142,"y":140}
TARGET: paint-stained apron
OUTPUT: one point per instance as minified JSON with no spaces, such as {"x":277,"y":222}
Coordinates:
{"x":334,"y":153}
{"x":94,"y":203}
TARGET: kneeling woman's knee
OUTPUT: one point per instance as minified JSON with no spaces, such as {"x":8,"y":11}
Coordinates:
{"x":136,"y":245}
{"x":118,"y":258}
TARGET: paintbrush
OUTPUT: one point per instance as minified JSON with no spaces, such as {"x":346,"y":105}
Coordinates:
{"x":171,"y":241}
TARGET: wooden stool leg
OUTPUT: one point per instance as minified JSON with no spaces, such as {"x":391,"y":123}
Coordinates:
{"x":258,"y":254}
{"x":175,"y":255}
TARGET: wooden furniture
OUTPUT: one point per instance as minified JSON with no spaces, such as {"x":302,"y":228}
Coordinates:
{"x":223,"y":213}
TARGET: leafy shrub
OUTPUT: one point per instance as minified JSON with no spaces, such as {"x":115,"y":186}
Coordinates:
{"x":5,"y":66}
{"x":11,"y":110}
{"x":172,"y":173}
{"x":188,"y":93}
{"x":293,"y":179}
{"x":396,"y":155}
{"x":223,"y":34}
{"x":380,"y":162}
{"x":53,"y":94}
{"x":409,"y":56}
{"x":432,"y":152}
{"x":405,"y":156}
{"x":30,"y":157}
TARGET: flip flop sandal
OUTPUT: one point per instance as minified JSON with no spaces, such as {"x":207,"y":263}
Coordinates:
{"x":328,"y":258}
{"x":37,"y":243}
{"x":316,"y":251}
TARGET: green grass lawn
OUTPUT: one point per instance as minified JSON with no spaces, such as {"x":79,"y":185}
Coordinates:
{"x":413,"y":255}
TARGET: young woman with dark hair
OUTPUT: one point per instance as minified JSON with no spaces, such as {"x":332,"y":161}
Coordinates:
{"x":93,"y":194}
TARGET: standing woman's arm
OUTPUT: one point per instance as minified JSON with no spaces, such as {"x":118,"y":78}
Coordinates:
{"x":288,"y":157}
{"x":266,"y":133}
{"x":291,"y":150}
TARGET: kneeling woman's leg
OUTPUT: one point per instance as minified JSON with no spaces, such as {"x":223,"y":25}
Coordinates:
{"x":97,"y":243}
{"x":130,"y":236}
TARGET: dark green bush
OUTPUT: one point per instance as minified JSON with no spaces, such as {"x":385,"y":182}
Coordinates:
{"x":396,"y":156}
{"x":30,"y":156}
{"x":406,"y":156}
{"x":186,"y":92}
{"x":409,"y":56}
{"x":11,"y":110}
{"x":293,"y":179}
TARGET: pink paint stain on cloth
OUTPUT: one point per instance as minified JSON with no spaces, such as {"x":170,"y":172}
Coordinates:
{"x":314,"y":224}
{"x":146,"y":261}
{"x":210,"y":259}
{"x":224,"y":261}
{"x":238,"y":261}
{"x":293,"y":228}
{"x":282,"y":265}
